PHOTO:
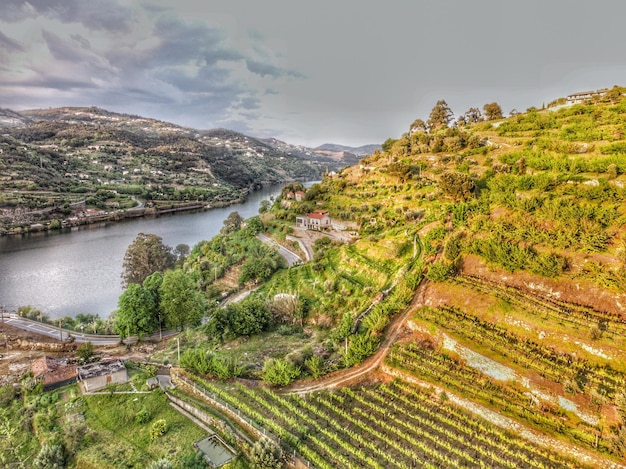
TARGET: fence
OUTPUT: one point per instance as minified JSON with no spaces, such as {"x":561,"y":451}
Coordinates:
{"x":295,"y":460}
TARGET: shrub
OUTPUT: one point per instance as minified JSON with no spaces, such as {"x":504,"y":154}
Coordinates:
{"x":158,"y":429}
{"x":266,"y":455}
{"x":162,"y":463}
{"x":143,"y":416}
{"x":51,"y":456}
{"x":280,"y":372}
{"x":439,"y":271}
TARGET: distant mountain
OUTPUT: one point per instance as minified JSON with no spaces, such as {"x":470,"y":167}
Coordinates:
{"x":358,"y":151}
{"x":9,"y":118}
{"x":334,"y":158}
{"x":90,"y":151}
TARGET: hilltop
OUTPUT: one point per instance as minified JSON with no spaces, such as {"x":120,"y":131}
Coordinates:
{"x":54,"y":159}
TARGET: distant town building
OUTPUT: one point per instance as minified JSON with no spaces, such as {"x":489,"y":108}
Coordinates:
{"x":96,"y":376}
{"x":53,"y":373}
{"x":318,"y":220}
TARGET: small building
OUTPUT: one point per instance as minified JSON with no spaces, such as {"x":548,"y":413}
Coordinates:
{"x":583,"y":96}
{"x":53,"y":373}
{"x":299,"y":196}
{"x":96,"y":376}
{"x":318,"y":220}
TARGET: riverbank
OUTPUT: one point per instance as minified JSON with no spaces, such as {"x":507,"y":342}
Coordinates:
{"x":77,"y":270}
{"x":94,"y":217}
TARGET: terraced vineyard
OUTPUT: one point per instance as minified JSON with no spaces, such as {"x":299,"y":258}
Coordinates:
{"x":390,"y":425}
{"x":427,"y":364}
{"x":557,"y":366}
{"x":572,"y":314}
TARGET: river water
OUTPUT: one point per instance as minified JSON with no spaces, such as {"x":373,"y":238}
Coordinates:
{"x":64,"y":274}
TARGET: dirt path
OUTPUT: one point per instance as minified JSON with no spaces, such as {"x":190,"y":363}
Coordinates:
{"x":372,"y":363}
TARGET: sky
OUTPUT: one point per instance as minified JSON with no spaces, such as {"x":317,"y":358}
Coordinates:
{"x":341,"y":71}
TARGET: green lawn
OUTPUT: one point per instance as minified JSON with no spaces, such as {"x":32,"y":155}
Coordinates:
{"x":123,"y":442}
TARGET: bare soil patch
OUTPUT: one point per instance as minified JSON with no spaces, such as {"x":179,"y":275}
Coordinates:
{"x":573,"y":291}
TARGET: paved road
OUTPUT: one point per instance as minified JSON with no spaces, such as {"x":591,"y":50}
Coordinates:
{"x":62,"y":334}
{"x":291,"y":257}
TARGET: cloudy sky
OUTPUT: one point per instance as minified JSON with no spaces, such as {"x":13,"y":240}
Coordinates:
{"x":341,"y":71}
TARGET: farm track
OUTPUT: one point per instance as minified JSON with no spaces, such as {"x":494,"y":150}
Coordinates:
{"x":372,"y":363}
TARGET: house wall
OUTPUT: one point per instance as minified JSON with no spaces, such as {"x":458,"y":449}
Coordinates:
{"x":100,"y":382}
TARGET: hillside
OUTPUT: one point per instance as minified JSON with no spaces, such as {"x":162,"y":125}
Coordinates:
{"x":465,"y":306}
{"x":516,"y":226}
{"x":52,"y":158}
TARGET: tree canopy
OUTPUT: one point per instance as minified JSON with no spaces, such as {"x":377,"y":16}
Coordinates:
{"x":138,"y":312}
{"x":181,"y":301}
{"x":146,"y":254}
{"x":440,"y":116}
{"x":493,"y":111}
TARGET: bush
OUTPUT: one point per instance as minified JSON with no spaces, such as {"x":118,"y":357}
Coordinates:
{"x":266,"y":455}
{"x":162,"y":463}
{"x":440,"y":271}
{"x":143,"y":416}
{"x":51,"y":456}
{"x":158,"y":429}
{"x":279,"y":372}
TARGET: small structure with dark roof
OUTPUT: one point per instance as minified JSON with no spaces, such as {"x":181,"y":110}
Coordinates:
{"x":53,"y":373}
{"x":96,"y":376}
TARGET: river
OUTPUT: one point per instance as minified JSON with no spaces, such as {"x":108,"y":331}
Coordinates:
{"x":79,"y":271}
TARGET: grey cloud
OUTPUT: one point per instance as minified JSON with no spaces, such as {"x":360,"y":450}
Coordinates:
{"x":83,"y":42}
{"x":44,"y":80}
{"x":107,"y":15}
{"x":10,"y":44}
{"x":268,"y":69}
{"x":250,"y":102}
{"x":73,"y":51}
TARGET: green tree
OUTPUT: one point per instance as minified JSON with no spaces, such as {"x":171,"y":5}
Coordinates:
{"x":182,"y":303}
{"x":265,"y":206}
{"x":254,"y":226}
{"x":493,"y":111}
{"x":266,"y":455}
{"x":248,"y":317}
{"x":387,"y":144}
{"x":440,"y":116}
{"x":232,"y":223}
{"x":279,"y":371}
{"x":472,"y":116}
{"x":418,"y":125}
{"x":152,"y":283}
{"x":147,"y":254}
{"x":137,"y":312}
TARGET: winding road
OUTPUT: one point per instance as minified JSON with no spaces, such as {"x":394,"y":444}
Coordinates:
{"x":62,"y":334}
{"x":291,"y":257}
